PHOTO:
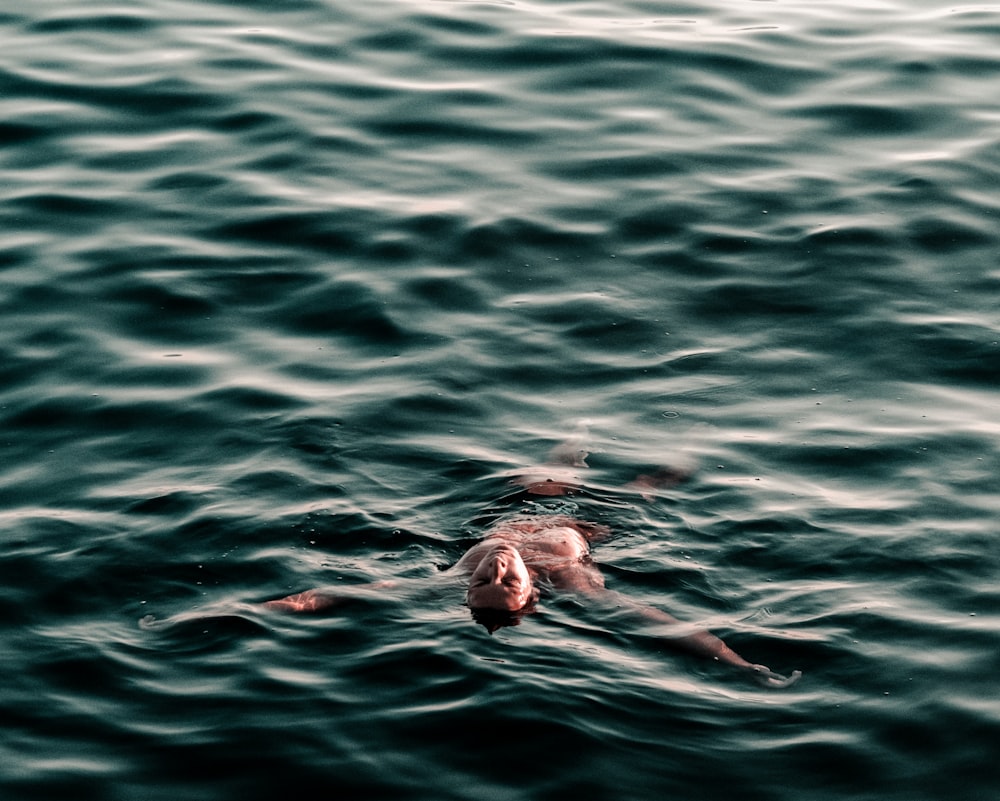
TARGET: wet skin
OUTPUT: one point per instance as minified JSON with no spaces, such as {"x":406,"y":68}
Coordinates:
{"x":521,"y":554}
{"x":505,"y":569}
{"x":506,"y":566}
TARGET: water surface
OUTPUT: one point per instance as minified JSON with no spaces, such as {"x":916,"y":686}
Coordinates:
{"x":287,"y":289}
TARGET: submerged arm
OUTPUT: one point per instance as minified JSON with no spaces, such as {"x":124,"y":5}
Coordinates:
{"x":320,"y":600}
{"x":587,"y":580}
{"x":308,"y":601}
{"x":704,"y":643}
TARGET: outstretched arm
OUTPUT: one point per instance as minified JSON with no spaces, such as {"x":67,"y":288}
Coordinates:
{"x":308,"y":601}
{"x":706,"y":644}
{"x":586,"y":579}
{"x":300,"y":602}
{"x":320,"y":600}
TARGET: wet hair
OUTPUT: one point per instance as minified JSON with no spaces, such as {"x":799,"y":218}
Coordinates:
{"x":493,"y":619}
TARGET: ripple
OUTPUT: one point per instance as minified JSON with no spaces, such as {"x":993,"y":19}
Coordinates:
{"x":288,"y":292}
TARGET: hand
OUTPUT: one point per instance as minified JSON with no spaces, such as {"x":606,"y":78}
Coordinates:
{"x":766,"y":677}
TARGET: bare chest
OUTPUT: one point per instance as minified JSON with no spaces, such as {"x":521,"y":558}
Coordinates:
{"x":554,"y":543}
{"x":544,"y":550}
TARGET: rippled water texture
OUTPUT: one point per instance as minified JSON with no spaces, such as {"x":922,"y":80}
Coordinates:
{"x":288,"y":288}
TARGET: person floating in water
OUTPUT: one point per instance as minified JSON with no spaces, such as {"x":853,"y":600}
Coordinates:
{"x":523,"y":555}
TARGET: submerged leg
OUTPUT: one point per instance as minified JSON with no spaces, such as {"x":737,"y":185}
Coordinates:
{"x":646,"y":484}
{"x":559,"y":475}
{"x":572,"y":452}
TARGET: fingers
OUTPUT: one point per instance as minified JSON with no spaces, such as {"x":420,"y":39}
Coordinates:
{"x":768,"y":678}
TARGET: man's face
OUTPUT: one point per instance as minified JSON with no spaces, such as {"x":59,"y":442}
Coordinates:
{"x":500,"y":581}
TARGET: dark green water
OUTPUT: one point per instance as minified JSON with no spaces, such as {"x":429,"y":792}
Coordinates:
{"x":287,"y":288}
